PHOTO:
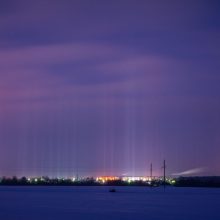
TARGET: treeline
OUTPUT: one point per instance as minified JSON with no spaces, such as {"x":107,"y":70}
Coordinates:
{"x":213,"y":181}
{"x":46,"y":181}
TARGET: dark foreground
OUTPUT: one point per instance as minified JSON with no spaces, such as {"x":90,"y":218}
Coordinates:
{"x":53,"y":203}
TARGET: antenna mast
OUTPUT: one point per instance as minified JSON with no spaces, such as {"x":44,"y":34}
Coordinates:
{"x":151,"y":171}
{"x":164,"y":173}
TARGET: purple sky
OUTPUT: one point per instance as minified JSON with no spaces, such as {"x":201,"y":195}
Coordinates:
{"x":105,"y":87}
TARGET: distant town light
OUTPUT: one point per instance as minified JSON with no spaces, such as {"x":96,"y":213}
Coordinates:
{"x":104,"y":179}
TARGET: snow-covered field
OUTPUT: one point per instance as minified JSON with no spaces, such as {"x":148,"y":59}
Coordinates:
{"x":53,"y":203}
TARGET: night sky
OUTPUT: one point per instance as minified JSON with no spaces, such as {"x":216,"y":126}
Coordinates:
{"x":105,"y":87}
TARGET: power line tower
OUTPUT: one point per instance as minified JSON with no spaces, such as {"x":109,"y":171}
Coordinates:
{"x":164,"y":173}
{"x":151,"y":171}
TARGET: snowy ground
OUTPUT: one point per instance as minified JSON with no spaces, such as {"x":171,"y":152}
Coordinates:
{"x":65,"y":203}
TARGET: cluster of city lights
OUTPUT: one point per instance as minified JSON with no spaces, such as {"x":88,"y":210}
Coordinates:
{"x":130,"y":179}
{"x":105,"y":179}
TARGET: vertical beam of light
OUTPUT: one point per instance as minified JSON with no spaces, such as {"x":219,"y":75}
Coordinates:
{"x":130,"y":128}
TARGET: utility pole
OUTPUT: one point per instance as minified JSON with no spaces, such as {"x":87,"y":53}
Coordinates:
{"x":151,"y":171}
{"x":164,"y":173}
